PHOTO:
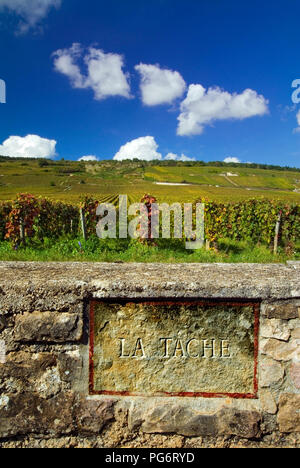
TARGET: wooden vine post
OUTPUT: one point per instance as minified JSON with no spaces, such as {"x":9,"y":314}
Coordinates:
{"x":146,"y":236}
{"x":277,"y":230}
{"x":83,"y":224}
{"x":22,"y":231}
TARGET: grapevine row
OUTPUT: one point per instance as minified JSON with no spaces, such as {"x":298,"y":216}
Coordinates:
{"x":254,"y":220}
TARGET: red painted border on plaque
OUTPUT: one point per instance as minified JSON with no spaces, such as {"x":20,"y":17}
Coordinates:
{"x":256,"y":310}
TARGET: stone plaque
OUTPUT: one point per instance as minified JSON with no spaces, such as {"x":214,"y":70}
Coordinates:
{"x":174,"y":349}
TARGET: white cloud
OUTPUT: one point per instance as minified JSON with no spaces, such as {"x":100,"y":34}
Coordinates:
{"x":88,"y":158}
{"x":175,"y":157}
{"x":144,"y":148}
{"x":202,"y":107}
{"x":106,"y":77}
{"x":31,"y":12}
{"x":231,"y":159}
{"x":30,"y":146}
{"x":159,"y":86}
{"x":64,"y":62}
{"x":104,"y":72}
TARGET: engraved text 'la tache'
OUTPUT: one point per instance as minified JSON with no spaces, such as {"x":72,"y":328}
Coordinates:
{"x":174,"y":348}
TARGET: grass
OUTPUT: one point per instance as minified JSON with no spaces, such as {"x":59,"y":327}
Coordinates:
{"x":166,"y":251}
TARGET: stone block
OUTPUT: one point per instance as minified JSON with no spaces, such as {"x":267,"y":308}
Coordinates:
{"x":26,"y":372}
{"x":282,"y":311}
{"x":279,"y":350}
{"x":289,"y":413}
{"x":28,"y":413}
{"x":275,"y":328}
{"x":268,"y":403}
{"x":296,"y":334}
{"x":93,"y":415}
{"x":295,"y":374}
{"x":70,"y":366}
{"x":183,"y":420}
{"x":270,"y":372}
{"x":48,"y":327}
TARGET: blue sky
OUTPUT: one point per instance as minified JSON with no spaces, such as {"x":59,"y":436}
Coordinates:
{"x":223,"y":48}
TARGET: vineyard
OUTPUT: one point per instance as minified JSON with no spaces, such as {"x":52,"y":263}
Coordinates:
{"x":259,"y":221}
{"x":68,"y":181}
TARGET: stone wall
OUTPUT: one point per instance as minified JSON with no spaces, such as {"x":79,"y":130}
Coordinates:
{"x":45,"y":399}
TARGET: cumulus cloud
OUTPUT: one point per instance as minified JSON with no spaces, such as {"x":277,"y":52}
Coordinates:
{"x":176,"y":157}
{"x":65,"y":63}
{"x":202,"y":107}
{"x":104,"y":71}
{"x":30,"y":12}
{"x":88,"y":158}
{"x":231,"y":159}
{"x":144,"y":148}
{"x":159,"y":86}
{"x":30,"y":146}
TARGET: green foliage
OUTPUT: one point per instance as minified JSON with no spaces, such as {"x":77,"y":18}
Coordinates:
{"x":89,"y":206}
{"x":21,"y":218}
{"x":5,"y":209}
{"x":253,"y":220}
{"x":56,"y":219}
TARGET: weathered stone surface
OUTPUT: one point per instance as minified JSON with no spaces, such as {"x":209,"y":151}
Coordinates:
{"x":270,"y":372}
{"x":155,"y":348}
{"x":275,"y":328}
{"x":27,"y":414}
{"x":93,"y":415}
{"x":179,"y":419}
{"x":293,"y":324}
{"x":282,"y":311}
{"x":289,"y":413}
{"x":48,"y":326}
{"x":2,"y":323}
{"x":296,"y":342}
{"x":49,"y":384}
{"x":24,"y":371}
{"x":279,"y":350}
{"x":268,"y":403}
{"x":295,"y":374}
{"x":70,"y":366}
{"x":240,"y":423}
{"x":23,"y":284}
{"x":296,"y":334}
